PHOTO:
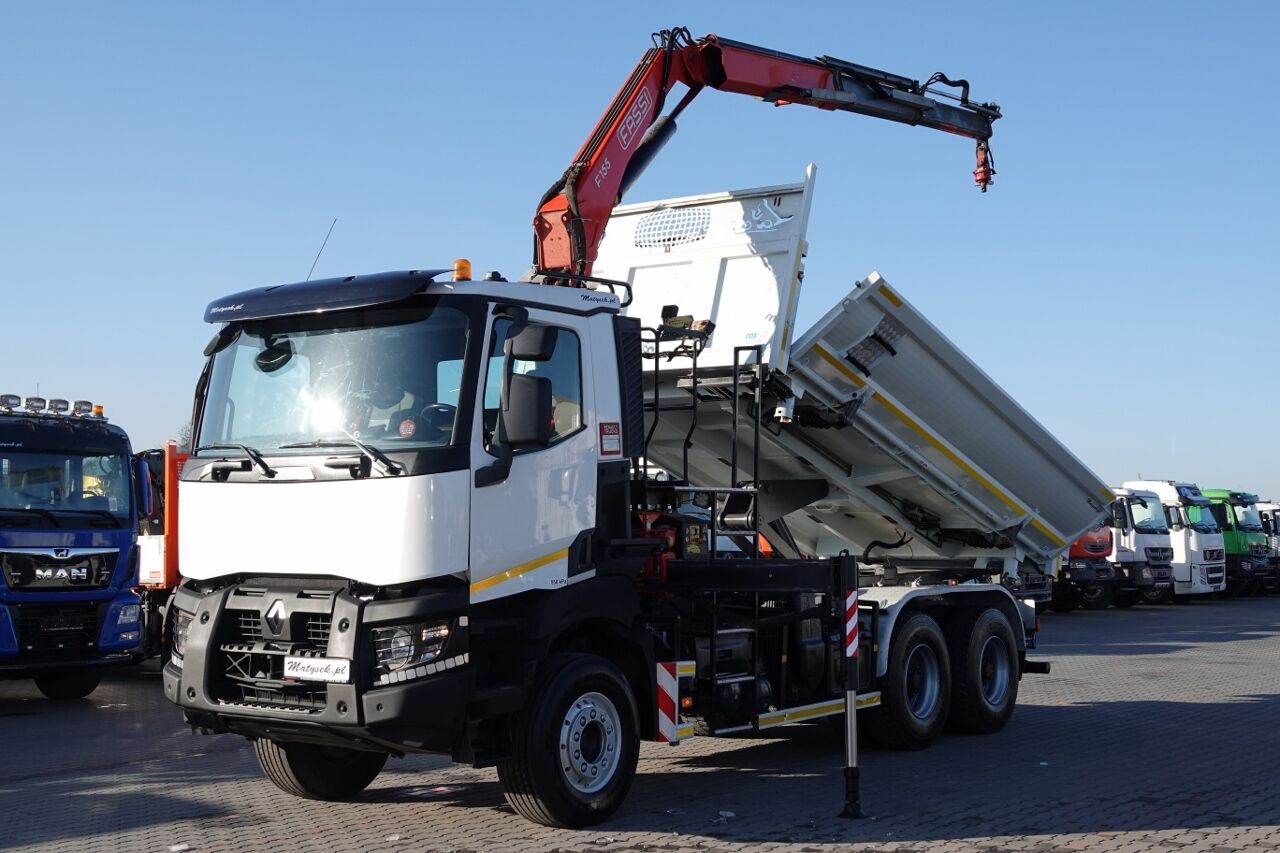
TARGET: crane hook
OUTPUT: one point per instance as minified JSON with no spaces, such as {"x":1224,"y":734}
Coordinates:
{"x":985,"y":172}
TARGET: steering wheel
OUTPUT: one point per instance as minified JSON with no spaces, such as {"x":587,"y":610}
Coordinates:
{"x":439,"y":415}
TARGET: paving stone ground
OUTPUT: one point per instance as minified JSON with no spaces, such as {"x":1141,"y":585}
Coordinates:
{"x":1158,"y":729}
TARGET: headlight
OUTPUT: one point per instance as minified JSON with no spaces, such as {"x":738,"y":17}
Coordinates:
{"x":404,"y":646}
{"x":1146,"y":573}
{"x":128,"y":613}
{"x":181,"y":627}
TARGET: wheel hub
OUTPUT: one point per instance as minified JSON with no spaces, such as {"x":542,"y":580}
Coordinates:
{"x":923,"y":682}
{"x":994,"y":668}
{"x":590,"y":743}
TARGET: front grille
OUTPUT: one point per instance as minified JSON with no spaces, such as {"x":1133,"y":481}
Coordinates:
{"x":1257,"y":550}
{"x":1096,"y":547}
{"x":58,"y":569}
{"x":248,"y":625}
{"x":318,"y":627}
{"x":1214,"y":555}
{"x":1159,"y":555}
{"x":57,"y":628}
{"x":1216,"y":574}
{"x":255,"y":676}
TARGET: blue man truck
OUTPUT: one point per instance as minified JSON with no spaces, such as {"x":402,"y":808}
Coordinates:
{"x":70,"y":498}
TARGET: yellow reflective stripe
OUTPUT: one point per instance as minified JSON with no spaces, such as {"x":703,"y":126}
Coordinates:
{"x":480,"y":586}
{"x":1107,"y":493}
{"x":685,"y":668}
{"x":794,"y":714}
{"x":685,"y":732}
{"x":839,"y":365}
{"x":1047,"y":531}
{"x":894,"y":299}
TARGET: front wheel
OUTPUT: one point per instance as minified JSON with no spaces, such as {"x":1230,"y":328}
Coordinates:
{"x":984,"y":659}
{"x":917,"y":695}
{"x":574,"y":746}
{"x":1158,"y":595}
{"x":316,"y":772}
{"x":68,"y":685}
{"x":1097,"y":596}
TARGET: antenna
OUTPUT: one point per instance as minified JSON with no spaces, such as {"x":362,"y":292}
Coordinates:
{"x":322,"y":245}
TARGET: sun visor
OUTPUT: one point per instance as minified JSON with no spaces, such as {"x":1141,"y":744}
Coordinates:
{"x":314,"y":297}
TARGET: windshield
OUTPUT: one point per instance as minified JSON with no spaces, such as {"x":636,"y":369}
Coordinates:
{"x":1201,"y":519}
{"x":1149,"y":518}
{"x":391,"y":379}
{"x":60,"y":484}
{"x":1247,"y":517}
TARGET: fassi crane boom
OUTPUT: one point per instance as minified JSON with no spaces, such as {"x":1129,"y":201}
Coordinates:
{"x":572,"y":214}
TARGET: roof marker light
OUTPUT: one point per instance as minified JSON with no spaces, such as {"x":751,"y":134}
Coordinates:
{"x":35,"y":404}
{"x":462,"y":270}
{"x":97,"y":410}
{"x":59,"y":407}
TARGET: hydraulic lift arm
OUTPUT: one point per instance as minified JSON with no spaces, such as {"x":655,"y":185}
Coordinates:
{"x":572,"y":214}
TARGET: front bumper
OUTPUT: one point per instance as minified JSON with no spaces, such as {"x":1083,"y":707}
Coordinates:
{"x":50,"y":633}
{"x":230,"y":677}
{"x":1142,"y":576}
{"x":1086,"y":572}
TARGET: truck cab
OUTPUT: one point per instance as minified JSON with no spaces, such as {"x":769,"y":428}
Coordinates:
{"x":1249,"y":569}
{"x":1270,"y":513}
{"x":1142,"y":550}
{"x":1199,"y":556}
{"x":70,"y":497}
{"x":1085,"y":576}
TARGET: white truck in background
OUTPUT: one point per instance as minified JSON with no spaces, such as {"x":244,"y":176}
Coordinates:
{"x":1270,"y":514}
{"x":1142,"y":549}
{"x":1199,"y":564}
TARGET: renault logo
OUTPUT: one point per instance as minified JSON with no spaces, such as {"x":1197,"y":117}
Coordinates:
{"x":275,"y":617}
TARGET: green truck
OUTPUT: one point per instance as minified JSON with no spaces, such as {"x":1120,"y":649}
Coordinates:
{"x":1248,"y":568}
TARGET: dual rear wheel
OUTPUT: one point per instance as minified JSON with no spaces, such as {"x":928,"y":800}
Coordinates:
{"x":966,"y":678}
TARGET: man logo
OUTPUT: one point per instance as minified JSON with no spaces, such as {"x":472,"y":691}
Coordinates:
{"x":72,"y":574}
{"x":61,"y":553}
{"x":275,"y":617}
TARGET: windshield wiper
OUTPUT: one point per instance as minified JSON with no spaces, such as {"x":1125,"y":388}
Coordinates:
{"x":102,"y":513}
{"x":253,"y":455}
{"x":33,"y":511}
{"x":388,"y":465}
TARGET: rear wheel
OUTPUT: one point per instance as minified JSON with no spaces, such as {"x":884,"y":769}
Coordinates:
{"x":68,"y":685}
{"x":917,"y":695}
{"x":1066,"y":596}
{"x":316,"y":772}
{"x":1097,"y":596}
{"x":984,"y":657}
{"x":574,"y":746}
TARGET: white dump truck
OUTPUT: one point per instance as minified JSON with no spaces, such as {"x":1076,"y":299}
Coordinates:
{"x":465,"y":554}
{"x":423,"y":513}
{"x":1199,"y":563}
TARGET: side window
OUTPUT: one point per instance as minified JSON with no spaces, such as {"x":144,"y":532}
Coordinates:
{"x":563,"y":370}
{"x":1220,"y":515}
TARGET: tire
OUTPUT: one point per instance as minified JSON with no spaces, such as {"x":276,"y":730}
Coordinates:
{"x":1097,"y":596}
{"x":1066,"y":597}
{"x":1126,"y":598}
{"x":582,"y":710}
{"x":1163,"y":595}
{"x":984,"y":671}
{"x":68,"y":685}
{"x":916,"y":698}
{"x":315,"y":772}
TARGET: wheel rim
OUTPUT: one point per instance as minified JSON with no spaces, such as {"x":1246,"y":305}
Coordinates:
{"x":590,"y":743}
{"x":994,"y":667}
{"x":924,"y":682}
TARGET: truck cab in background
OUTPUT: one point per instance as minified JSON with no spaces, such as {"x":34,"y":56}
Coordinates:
{"x":70,"y":498}
{"x":1199,"y":558}
{"x":1085,"y":576}
{"x":1142,"y":552}
{"x":1249,"y":570}
{"x":1270,"y":513}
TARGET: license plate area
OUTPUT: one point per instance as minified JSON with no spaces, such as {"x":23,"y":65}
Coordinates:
{"x":328,"y":670}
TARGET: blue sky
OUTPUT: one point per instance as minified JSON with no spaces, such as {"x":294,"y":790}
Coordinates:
{"x":1117,"y":280}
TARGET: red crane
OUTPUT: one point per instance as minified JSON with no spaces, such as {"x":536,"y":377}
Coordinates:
{"x":572,"y":214}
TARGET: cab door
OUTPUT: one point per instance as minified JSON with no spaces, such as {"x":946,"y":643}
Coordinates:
{"x":528,"y":528}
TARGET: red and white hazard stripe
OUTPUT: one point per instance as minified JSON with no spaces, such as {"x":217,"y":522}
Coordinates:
{"x":851,"y":624}
{"x":668,"y":703}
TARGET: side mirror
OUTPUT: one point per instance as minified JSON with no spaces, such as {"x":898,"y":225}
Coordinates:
{"x":142,"y":488}
{"x":528,"y":416}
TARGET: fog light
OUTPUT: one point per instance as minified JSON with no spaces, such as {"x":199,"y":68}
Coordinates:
{"x":128,"y":614}
{"x":129,"y":636}
{"x":1146,"y":573}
